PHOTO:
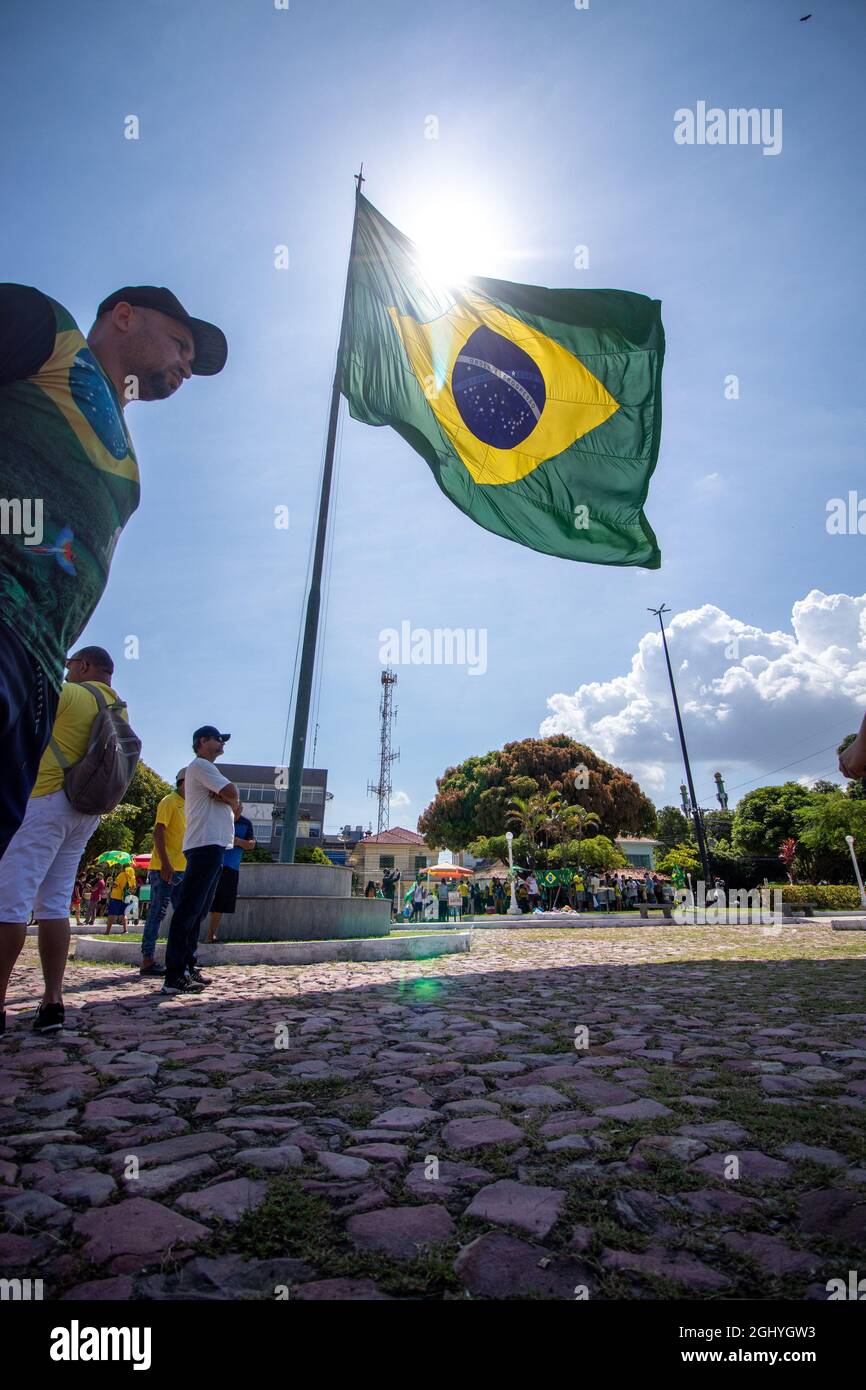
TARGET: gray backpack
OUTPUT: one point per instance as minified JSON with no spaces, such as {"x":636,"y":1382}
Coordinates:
{"x":97,"y":782}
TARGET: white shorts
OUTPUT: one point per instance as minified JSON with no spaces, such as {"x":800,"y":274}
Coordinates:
{"x":38,"y":869}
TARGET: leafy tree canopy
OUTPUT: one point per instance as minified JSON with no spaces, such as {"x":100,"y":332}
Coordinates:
{"x":674,"y":828}
{"x":474,"y":798}
{"x":767,"y":816}
{"x":681,"y":856}
{"x":130,"y":825}
{"x":597,"y":852}
{"x":719,"y":825}
{"x":828,"y":818}
{"x":309,"y":854}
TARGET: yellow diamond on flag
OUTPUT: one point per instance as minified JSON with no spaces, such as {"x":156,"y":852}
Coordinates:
{"x":507,"y":396}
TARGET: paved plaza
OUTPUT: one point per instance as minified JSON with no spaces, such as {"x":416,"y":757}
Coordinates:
{"x":650,"y":1112}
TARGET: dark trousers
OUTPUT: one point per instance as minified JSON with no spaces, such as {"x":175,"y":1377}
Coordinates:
{"x":28,"y":704}
{"x":203,"y":868}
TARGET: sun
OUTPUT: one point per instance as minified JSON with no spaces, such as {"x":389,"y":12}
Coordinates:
{"x":456,"y":241}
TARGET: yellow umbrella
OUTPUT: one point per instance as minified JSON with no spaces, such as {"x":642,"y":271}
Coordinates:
{"x":449,"y":871}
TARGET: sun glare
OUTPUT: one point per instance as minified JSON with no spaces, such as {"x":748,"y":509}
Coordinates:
{"x":458,"y":241}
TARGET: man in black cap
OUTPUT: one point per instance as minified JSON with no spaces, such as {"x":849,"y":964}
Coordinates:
{"x":210,"y":802}
{"x":69,"y":484}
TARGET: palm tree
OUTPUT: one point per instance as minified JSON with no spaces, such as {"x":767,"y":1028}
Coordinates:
{"x":555,"y":818}
{"x":528,"y":816}
{"x":579,"y":820}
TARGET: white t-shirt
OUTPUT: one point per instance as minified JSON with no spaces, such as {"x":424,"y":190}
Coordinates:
{"x":208,"y":821}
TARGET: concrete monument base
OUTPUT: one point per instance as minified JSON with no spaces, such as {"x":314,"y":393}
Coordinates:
{"x":420,"y":947}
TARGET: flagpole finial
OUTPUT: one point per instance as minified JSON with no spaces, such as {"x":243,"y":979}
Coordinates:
{"x":359,"y":177}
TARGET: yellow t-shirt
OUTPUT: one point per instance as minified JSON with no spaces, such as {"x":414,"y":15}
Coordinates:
{"x":171,"y":813}
{"x":125,"y":880}
{"x":76,"y":711}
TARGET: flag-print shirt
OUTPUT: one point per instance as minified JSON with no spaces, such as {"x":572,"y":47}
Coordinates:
{"x":67,"y":470}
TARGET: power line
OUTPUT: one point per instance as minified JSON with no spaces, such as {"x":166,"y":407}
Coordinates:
{"x":772,"y":771}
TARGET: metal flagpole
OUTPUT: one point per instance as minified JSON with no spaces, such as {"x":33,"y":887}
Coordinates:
{"x":696,"y":813}
{"x":311,"y":624}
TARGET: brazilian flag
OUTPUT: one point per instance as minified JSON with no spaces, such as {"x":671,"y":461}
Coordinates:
{"x":538,"y":410}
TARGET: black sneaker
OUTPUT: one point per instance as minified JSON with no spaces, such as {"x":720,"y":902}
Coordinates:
{"x":49,"y":1018}
{"x":181,"y":986}
{"x":152,"y":969}
{"x":197,"y":977}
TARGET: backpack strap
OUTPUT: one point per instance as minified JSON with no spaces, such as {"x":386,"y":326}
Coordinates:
{"x":101,"y":704}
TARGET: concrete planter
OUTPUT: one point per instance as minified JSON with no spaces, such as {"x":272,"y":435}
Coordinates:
{"x":122,"y":952}
{"x":294,"y":881}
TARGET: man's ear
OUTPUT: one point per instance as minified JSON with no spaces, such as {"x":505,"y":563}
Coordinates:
{"x":122,"y":315}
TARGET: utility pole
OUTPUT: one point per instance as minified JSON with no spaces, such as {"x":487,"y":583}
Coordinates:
{"x":387,"y":714}
{"x":696,"y":813}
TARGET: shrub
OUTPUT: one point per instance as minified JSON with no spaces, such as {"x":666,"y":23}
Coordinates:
{"x":311,"y":854}
{"x":824,"y":895}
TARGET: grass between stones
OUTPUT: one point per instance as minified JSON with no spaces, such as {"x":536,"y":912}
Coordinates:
{"x":297,"y":1224}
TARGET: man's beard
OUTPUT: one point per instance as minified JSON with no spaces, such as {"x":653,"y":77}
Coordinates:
{"x":159,"y":386}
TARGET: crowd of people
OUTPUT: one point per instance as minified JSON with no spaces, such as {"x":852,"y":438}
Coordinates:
{"x":447,"y":898}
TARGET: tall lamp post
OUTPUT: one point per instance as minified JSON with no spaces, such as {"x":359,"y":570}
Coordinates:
{"x":850,"y":841}
{"x":513,"y":909}
{"x":696,"y":814}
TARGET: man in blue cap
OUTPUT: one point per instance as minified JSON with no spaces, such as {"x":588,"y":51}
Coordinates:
{"x":211,"y":802}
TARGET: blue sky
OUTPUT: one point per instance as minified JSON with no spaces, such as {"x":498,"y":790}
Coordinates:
{"x":555,"y":129}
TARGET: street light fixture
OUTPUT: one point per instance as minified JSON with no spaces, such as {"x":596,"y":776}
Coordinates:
{"x":850,"y":842}
{"x":513,"y":909}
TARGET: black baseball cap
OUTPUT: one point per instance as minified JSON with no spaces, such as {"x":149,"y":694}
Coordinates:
{"x":208,"y":731}
{"x":211,"y":348}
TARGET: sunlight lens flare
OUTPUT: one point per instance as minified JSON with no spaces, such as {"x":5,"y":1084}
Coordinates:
{"x":457,"y":242}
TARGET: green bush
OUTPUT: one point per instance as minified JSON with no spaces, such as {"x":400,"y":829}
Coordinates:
{"x":311,"y":854}
{"x":823,"y":895}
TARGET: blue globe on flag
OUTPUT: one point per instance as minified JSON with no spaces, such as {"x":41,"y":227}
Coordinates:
{"x":498,"y":389}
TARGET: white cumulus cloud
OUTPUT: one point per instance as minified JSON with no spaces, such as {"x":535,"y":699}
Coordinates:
{"x":747,"y":696}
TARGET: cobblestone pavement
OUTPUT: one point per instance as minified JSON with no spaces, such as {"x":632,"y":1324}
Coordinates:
{"x":634,"y":1113}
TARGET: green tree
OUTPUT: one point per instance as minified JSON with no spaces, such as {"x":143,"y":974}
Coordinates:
{"x":822,"y":826}
{"x":528,"y":817}
{"x":130,"y":825}
{"x":599,"y":853}
{"x":673,"y":828}
{"x":738,"y":870}
{"x":857,"y":785}
{"x":496,"y":847}
{"x":473,"y":799}
{"x":579,"y":820}
{"x":114,"y":831}
{"x":311,"y":854}
{"x":259,"y":854}
{"x":682,"y":856}
{"x":767,"y":816}
{"x":719,"y":826}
